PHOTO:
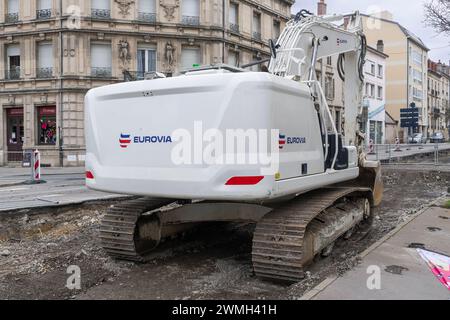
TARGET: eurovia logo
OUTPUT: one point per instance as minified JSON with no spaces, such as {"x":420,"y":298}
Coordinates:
{"x":282,"y":141}
{"x":125,"y":140}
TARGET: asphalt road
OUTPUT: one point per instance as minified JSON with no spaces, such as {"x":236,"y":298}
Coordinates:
{"x":62,"y":186}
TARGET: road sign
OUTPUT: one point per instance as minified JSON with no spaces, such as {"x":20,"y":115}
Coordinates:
{"x":409,"y":118}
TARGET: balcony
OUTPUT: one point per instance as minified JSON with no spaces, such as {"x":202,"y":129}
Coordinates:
{"x":191,"y":20}
{"x":147,"y":17}
{"x":436,"y":112}
{"x":12,"y":17}
{"x":43,"y":14}
{"x":101,"y":72}
{"x":234,"y":27}
{"x":44,"y":73}
{"x":256,"y":36}
{"x":101,"y":13}
{"x":13,"y":74}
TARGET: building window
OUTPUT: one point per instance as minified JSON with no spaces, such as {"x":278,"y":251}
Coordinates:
{"x":276,"y":29}
{"x":46,"y":125}
{"x":191,"y":12}
{"x":417,"y":94}
{"x":372,"y":68}
{"x":12,"y":13}
{"x":417,"y":58}
{"x":257,"y":26}
{"x":146,"y":59}
{"x":101,"y":9}
{"x":338,"y":121}
{"x":101,"y":60}
{"x":45,"y":60}
{"x":234,"y":17}
{"x":190,"y":58}
{"x":233,"y":58}
{"x":380,"y":93}
{"x":44,"y":10}
{"x":380,"y":71}
{"x":329,"y":61}
{"x":417,"y":76}
{"x":12,"y":62}
{"x":329,"y":87}
{"x":147,"y":11}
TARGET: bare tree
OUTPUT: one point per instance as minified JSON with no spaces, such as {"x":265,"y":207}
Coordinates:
{"x":437,"y":15}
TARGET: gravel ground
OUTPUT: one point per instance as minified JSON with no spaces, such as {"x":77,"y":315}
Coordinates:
{"x":214,"y":262}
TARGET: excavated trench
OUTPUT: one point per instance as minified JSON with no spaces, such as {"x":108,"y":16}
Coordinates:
{"x":38,"y":246}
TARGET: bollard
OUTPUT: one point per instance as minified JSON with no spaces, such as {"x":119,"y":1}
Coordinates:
{"x":36,"y":166}
{"x":397,"y":145}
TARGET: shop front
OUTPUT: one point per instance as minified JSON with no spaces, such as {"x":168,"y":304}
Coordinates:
{"x":14,"y":134}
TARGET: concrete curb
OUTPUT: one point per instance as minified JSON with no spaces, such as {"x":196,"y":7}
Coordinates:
{"x":13,"y":184}
{"x":328,"y":281}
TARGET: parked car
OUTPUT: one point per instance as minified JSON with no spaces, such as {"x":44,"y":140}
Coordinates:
{"x":437,"y":137}
{"x":418,"y":138}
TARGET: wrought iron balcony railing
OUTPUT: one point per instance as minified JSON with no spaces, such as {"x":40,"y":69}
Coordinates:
{"x":147,"y":17}
{"x":191,"y":20}
{"x":234,"y":27}
{"x":13,"y":74}
{"x":43,"y":14}
{"x":257,"y":35}
{"x":12,"y":17}
{"x":101,"y":72}
{"x":44,"y":73}
{"x":101,"y":13}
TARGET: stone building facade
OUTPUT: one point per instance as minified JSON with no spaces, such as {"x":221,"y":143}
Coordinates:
{"x":438,"y":98}
{"x":53,"y":51}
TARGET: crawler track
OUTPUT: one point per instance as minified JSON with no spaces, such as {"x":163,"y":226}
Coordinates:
{"x":278,"y":246}
{"x":279,"y":250}
{"x":119,"y":231}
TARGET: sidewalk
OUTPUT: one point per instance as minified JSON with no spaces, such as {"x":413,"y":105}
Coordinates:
{"x":16,"y":176}
{"x":387,"y":152}
{"x":404,"y":275}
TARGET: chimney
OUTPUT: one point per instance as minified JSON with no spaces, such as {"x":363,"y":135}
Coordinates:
{"x":380,"y":45}
{"x":321,"y":8}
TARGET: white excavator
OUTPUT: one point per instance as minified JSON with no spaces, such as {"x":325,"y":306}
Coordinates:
{"x":223,"y":144}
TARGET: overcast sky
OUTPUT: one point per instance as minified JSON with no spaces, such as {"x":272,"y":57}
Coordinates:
{"x":409,"y":13}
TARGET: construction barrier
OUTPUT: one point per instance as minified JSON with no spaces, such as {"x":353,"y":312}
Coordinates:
{"x":36,"y":166}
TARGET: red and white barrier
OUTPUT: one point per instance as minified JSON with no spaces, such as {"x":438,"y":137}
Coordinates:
{"x":36,"y":165}
{"x":397,"y":145}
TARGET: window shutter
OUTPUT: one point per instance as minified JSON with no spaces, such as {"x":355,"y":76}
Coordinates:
{"x":13,"y":51}
{"x":44,"y":4}
{"x":101,"y":56}
{"x":189,"y":57}
{"x":45,"y":55}
{"x":13,"y":6}
{"x":147,"y":6}
{"x":233,"y":13}
{"x":101,"y":4}
{"x":191,"y":8}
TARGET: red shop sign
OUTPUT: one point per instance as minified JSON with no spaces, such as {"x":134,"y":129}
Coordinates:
{"x":47,"y":111}
{"x":15,"y":112}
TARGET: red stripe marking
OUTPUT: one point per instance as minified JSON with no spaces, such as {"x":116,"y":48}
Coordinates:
{"x":36,"y":165}
{"x":282,"y":142}
{"x":241,"y":181}
{"x":89,"y":175}
{"x":124,"y":141}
